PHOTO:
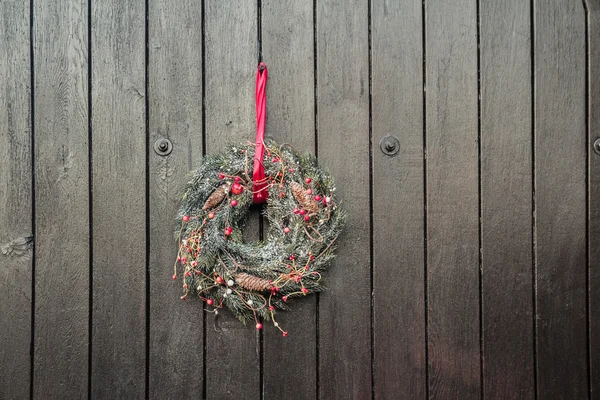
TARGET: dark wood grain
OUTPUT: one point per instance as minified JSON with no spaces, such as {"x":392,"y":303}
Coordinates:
{"x":232,"y":350}
{"x":119,"y":200}
{"x":288,"y":48}
{"x":62,"y":200}
{"x":15,"y":200}
{"x":175,"y":112}
{"x":452,"y":199}
{"x":343,"y":143}
{"x":560,"y":190}
{"x":506,"y":200}
{"x":593,"y":33}
{"x":398,"y":201}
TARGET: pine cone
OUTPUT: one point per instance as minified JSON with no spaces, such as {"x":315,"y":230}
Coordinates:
{"x":304,"y":199}
{"x":217,"y":196}
{"x":252,"y":282}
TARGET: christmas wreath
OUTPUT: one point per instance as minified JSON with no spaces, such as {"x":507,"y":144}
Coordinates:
{"x":256,"y":279}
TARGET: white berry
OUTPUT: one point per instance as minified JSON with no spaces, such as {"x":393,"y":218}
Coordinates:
{"x":230,"y":282}
{"x":249,"y":302}
{"x":229,"y":291}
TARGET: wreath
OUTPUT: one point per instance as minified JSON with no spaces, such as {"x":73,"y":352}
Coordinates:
{"x":256,"y":279}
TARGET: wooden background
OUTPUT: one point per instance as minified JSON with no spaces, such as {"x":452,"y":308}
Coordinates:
{"x":470,"y":267}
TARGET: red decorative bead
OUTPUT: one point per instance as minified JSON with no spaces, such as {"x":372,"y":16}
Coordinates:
{"x":307,"y":218}
{"x":258,"y":325}
{"x":302,"y":212}
{"x":284,"y":298}
{"x":236,"y":188}
{"x":209,"y":302}
{"x":286,"y":230}
{"x":174,"y":276}
{"x":185,"y":218}
{"x":284,"y":334}
{"x":317,"y":198}
{"x":194,"y":263}
{"x":221,"y":176}
{"x":211,"y":215}
{"x":304,"y":290}
{"x":308,"y":180}
{"x":234,"y":203}
{"x":292,"y":257}
{"x":309,"y":191}
{"x":271,"y":308}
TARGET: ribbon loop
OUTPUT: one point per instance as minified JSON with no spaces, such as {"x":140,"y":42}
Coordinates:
{"x":260,"y":187}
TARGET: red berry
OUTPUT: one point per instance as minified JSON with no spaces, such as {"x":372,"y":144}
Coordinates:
{"x":183,"y":260}
{"x":219,"y":279}
{"x":185,"y":218}
{"x":308,"y":180}
{"x":284,"y":298}
{"x":302,"y":212}
{"x":286,"y":230}
{"x":258,"y":325}
{"x":211,"y":215}
{"x":209,"y":302}
{"x":236,"y":188}
{"x":304,"y":290}
{"x":317,"y":198}
{"x":194,"y":263}
{"x":228,"y":231}
{"x":233,"y":203}
{"x":182,"y":297}
{"x":174,"y":276}
{"x":307,"y":218}
{"x":221,"y":176}
{"x":271,"y":308}
{"x":309,"y":191}
{"x":291,"y":170}
{"x":284,"y":334}
{"x":236,"y":179}
{"x":188,"y":273}
{"x":296,"y":211}
{"x":275,"y":159}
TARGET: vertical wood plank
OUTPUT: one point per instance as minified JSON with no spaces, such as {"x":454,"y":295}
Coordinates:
{"x":62,"y":199}
{"x":452,"y":199}
{"x":560,"y":189}
{"x":506,"y":200}
{"x":16,"y":199}
{"x":119,"y":199}
{"x":288,"y":49}
{"x":398,"y":201}
{"x":343,"y":143}
{"x":593,"y":34}
{"x":232,"y":349}
{"x":175,"y":112}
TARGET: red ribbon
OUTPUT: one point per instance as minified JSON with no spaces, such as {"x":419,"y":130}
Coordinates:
{"x":261,"y":192}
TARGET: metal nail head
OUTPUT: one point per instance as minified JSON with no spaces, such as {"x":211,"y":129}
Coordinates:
{"x":597,"y":146}
{"x":163,"y":147}
{"x":389,"y":145}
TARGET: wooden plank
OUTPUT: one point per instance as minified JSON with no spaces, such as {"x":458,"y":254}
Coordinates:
{"x":62,"y":200}
{"x":119,"y":200}
{"x":175,"y":112}
{"x":343,"y":143}
{"x":506,"y":200}
{"x":593,"y":35}
{"x":452,"y":199}
{"x":232,"y":350}
{"x":398,"y":201}
{"x":560,"y":203}
{"x":288,"y":48}
{"x":16,"y":199}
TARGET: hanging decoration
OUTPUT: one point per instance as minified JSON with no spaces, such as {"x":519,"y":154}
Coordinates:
{"x":256,"y":279}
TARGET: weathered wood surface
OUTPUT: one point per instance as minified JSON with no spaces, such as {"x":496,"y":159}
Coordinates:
{"x":452,"y":181}
{"x":469,"y":267}
{"x":175,"y":113}
{"x":287,"y":28}
{"x":118,"y":162}
{"x":398,"y":201}
{"x":560,"y":199}
{"x":16,"y":199}
{"x":506,"y":201}
{"x":62,"y":200}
